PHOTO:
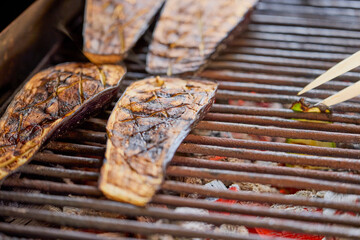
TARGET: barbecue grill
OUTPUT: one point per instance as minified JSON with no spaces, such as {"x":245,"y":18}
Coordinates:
{"x":288,"y":43}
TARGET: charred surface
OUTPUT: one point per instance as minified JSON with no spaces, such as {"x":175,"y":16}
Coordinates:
{"x":51,"y":101}
{"x":144,"y":130}
{"x":113,"y":27}
{"x":189,"y":32}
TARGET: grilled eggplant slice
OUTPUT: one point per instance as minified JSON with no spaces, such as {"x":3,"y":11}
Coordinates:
{"x":49,"y":103}
{"x":144,"y":130}
{"x":190,"y":32}
{"x":112,"y":27}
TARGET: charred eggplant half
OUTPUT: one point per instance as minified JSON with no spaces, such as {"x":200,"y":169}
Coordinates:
{"x":50,"y":102}
{"x":144,"y":130}
{"x":190,"y":32}
{"x":112,"y":27}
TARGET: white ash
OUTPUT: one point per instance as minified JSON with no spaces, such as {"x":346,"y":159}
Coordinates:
{"x":266,"y":163}
{"x":199,"y":226}
{"x":338,"y":197}
{"x":256,"y":187}
{"x":302,"y":193}
{"x":210,"y":133}
{"x":227,"y":228}
{"x":216,"y":184}
{"x":310,"y":194}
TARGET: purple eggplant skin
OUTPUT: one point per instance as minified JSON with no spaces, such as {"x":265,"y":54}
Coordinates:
{"x":145,"y":128}
{"x":51,"y":102}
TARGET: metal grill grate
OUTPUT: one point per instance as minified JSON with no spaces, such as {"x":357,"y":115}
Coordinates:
{"x":288,"y":44}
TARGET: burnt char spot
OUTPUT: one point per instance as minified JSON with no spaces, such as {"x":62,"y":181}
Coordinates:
{"x":29,"y":133}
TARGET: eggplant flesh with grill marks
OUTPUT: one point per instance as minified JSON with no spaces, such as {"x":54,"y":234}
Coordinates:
{"x":144,"y":130}
{"x":50,"y":102}
{"x":190,"y":32}
{"x":112,"y":27}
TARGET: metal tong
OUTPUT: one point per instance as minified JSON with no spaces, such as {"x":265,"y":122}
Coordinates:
{"x":340,"y":68}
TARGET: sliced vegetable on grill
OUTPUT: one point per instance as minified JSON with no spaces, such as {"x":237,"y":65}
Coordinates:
{"x":144,"y":130}
{"x":112,"y":27}
{"x":49,"y":103}
{"x":302,"y":106}
{"x":190,"y":32}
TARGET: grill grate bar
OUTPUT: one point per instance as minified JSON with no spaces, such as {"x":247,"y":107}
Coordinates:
{"x":276,"y":61}
{"x":99,"y":137}
{"x":225,"y":75}
{"x":273,"y":146}
{"x":304,"y":22}
{"x":254,"y":210}
{"x":76,"y":148}
{"x":248,"y":167}
{"x":121,"y":208}
{"x":304,"y":179}
{"x":308,"y":31}
{"x":330,"y":13}
{"x":318,"y":56}
{"x":259,"y":197}
{"x":269,"y":69}
{"x":67,"y":160}
{"x":251,"y":125}
{"x":279,"y":122}
{"x":335,"y":41}
{"x":117,"y":225}
{"x":284,"y":45}
{"x":86,"y":175}
{"x":133,"y":226}
{"x":225,"y":142}
{"x":335,"y":163}
{"x":262,"y":178}
{"x":320,"y":3}
{"x":279,"y":132}
{"x":76,"y":189}
{"x":264,"y":88}
{"x":285,"y":99}
{"x":286,"y":113}
{"x":83,"y":134}
{"x":51,"y":233}
{"x":284,"y":49}
{"x":52,"y":187}
{"x":234,"y":143}
{"x":59,"y":172}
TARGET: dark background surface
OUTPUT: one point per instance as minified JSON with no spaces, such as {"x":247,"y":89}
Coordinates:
{"x":10,"y":9}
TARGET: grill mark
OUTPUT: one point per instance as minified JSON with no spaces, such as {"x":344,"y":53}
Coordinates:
{"x":81,"y":92}
{"x":153,"y":113}
{"x":201,"y":32}
{"x":101,"y":75}
{"x":119,"y":26}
